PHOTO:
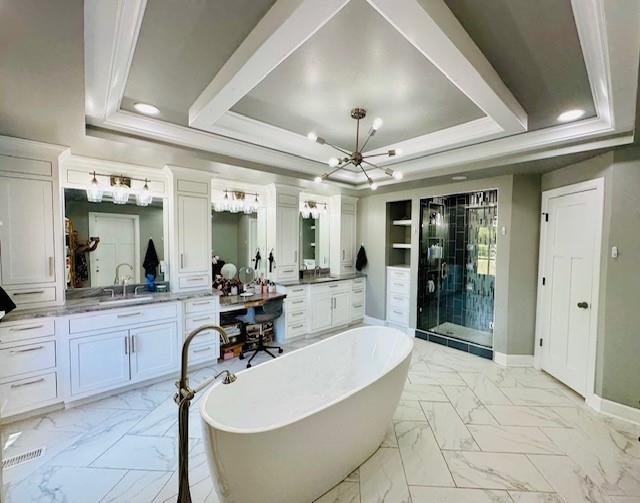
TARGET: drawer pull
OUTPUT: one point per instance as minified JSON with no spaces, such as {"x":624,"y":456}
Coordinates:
{"x":20,"y":385}
{"x":334,"y":286}
{"x":288,"y":270}
{"x":301,"y":313}
{"x":357,"y":305}
{"x":358,"y":291}
{"x":201,"y":303}
{"x":206,"y":318}
{"x":399,"y":284}
{"x":398,"y":312}
{"x":130,"y":315}
{"x":296,"y":290}
{"x":31,"y":292}
{"x":37,"y":348}
{"x":194,"y":279}
{"x":299,"y":325}
{"x":298,"y":302}
{"x":22,"y":329}
{"x":398,"y":298}
{"x":202,"y":350}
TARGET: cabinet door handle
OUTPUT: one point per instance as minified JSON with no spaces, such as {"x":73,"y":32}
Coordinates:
{"x":295,"y":256}
{"x":299,"y":325}
{"x":133,"y":344}
{"x":202,"y":350}
{"x":343,"y":254}
{"x":20,"y":385}
{"x":37,"y":348}
{"x":130,"y":315}
{"x":201,"y":319}
{"x":50,"y":266}
{"x":182,"y":260}
{"x":22,"y":329}
{"x":126,"y":345}
{"x":30,"y":292}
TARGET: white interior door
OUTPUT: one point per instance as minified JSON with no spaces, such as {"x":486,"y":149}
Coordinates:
{"x":570,"y":259}
{"x":119,"y":243}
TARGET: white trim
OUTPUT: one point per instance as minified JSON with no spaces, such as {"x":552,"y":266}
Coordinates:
{"x":614,"y":409}
{"x":284,"y":28}
{"x":436,"y":33}
{"x":507,"y":360}
{"x":596,"y":184}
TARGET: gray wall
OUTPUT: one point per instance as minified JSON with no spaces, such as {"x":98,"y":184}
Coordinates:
{"x":617,"y":367}
{"x":514,"y":274}
{"x":150,"y":220}
{"x":224,"y":236}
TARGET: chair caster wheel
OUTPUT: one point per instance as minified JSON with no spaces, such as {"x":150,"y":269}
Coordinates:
{"x":280,"y":350}
{"x":248,"y":365}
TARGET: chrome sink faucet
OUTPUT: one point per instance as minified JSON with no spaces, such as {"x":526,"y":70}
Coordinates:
{"x":117,"y":280}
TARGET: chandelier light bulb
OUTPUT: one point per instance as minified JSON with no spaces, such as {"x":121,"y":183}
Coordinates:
{"x":397,"y":175}
{"x":333,"y":162}
{"x":377,"y":124}
{"x":312,"y":136}
{"x":94,"y":192}
{"x":318,"y":179}
{"x":372,"y":185}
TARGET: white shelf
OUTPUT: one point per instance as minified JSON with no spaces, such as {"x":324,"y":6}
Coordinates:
{"x":405,"y":223}
{"x":405,"y":246}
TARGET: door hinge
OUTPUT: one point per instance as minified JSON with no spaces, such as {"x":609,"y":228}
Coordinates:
{"x":540,"y":342}
{"x":544,"y":281}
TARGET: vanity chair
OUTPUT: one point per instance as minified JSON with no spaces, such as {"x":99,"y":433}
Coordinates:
{"x":262,"y":314}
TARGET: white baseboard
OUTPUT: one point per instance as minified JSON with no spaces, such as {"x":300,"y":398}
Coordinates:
{"x":512,"y":360}
{"x":614,"y":409}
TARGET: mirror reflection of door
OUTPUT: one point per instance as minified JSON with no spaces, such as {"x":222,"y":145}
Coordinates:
{"x":119,"y":244}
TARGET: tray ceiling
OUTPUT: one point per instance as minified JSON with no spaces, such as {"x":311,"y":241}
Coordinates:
{"x":251,"y":78}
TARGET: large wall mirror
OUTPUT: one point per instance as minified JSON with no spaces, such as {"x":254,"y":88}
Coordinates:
{"x":314,"y":232}
{"x":238,"y":231}
{"x":108,"y":243}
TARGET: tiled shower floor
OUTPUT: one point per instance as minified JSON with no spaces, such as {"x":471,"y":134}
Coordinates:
{"x":466,"y":430}
{"x":464,"y":333}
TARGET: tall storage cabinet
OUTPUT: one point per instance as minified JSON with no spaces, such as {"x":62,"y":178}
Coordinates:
{"x":343,"y":250}
{"x":283,"y":216}
{"x":30,"y":223}
{"x":191,"y":234}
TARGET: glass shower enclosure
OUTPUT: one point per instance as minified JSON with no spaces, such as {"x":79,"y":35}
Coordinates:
{"x":457,"y":270}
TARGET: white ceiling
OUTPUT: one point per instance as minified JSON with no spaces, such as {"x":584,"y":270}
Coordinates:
{"x":250,"y":78}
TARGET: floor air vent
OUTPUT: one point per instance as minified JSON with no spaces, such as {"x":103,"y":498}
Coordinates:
{"x":22,"y":458}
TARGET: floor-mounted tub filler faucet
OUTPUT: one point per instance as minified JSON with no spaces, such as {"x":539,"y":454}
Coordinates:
{"x":183,"y":398}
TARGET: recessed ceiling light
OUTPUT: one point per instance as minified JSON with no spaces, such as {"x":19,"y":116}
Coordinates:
{"x":146,"y":108}
{"x":459,"y":177}
{"x":570,"y":115}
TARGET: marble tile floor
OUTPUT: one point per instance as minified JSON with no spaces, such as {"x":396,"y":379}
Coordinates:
{"x":465,"y":431}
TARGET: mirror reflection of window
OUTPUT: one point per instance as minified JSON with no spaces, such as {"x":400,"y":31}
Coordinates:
{"x":108,"y":243}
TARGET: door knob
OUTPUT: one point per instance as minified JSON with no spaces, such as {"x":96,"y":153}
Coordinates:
{"x":583,"y":305}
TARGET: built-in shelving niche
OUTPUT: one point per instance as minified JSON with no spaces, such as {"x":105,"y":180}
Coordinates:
{"x":398,"y":241}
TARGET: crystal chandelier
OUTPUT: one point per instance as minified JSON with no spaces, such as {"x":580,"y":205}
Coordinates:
{"x":356,"y":158}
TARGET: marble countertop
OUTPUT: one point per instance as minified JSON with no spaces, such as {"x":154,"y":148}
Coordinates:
{"x":89,"y":304}
{"x":326,"y":279}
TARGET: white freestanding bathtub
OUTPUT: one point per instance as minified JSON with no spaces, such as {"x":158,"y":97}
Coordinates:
{"x":290,"y":429}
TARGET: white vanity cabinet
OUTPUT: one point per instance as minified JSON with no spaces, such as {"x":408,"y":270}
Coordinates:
{"x":30,"y":223}
{"x":205,"y":347}
{"x":132,"y":345}
{"x":287,"y":218}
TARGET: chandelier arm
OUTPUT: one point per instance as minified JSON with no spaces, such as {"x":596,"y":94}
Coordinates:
{"x":338,"y":148}
{"x":371,"y":164}
{"x":365,"y":173}
{"x":371,"y":133}
{"x":327,"y":175}
{"x":375,"y":155}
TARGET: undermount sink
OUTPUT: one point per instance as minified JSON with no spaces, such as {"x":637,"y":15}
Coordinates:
{"x":128,"y":300}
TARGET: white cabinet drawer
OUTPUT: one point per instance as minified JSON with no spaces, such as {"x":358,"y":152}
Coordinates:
{"x":357,"y":284}
{"x":357,"y":312}
{"x":397,"y":299}
{"x":123,"y":317}
{"x":201,"y":305}
{"x":194,"y":281}
{"x":196,"y":321}
{"x":357,"y":301}
{"x":295,"y":292}
{"x":21,"y":330}
{"x":29,"y":393}
{"x":27,"y":358}
{"x":37,"y":295}
{"x":204,"y":351}
{"x":330,"y":288}
{"x":396,"y":287}
{"x":296,"y":304}
{"x":294,"y":317}
{"x":398,"y":314}
{"x":296,"y":329}
{"x":401,"y":275}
